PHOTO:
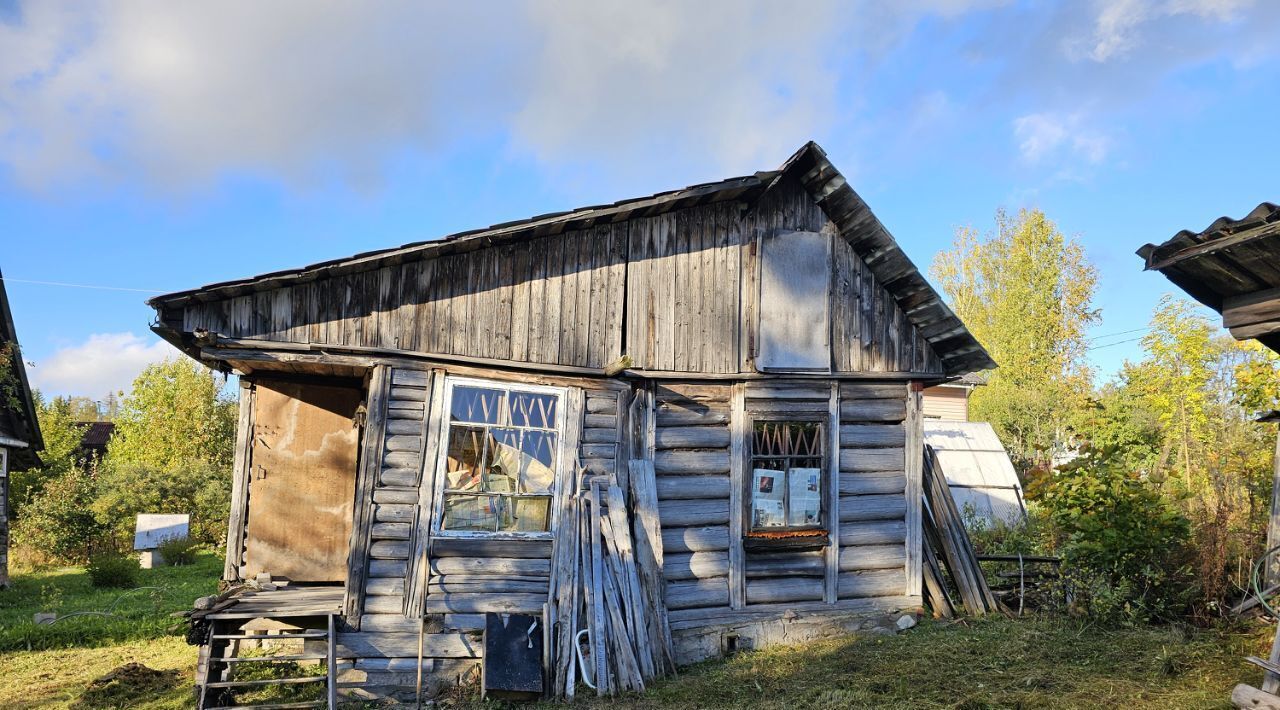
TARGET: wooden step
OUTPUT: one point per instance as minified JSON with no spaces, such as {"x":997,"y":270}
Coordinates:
{"x":274,"y":637}
{"x":293,"y":657}
{"x":266,"y":681}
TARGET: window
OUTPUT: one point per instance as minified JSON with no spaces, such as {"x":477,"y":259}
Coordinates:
{"x":500,"y":459}
{"x":787,"y":485}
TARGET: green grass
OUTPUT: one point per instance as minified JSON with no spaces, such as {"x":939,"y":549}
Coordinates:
{"x":1029,"y":663}
{"x":55,"y":665}
{"x":136,"y":615}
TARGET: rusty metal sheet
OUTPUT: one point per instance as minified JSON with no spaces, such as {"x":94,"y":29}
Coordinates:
{"x":302,"y":483}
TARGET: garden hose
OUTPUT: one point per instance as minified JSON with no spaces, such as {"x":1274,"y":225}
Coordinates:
{"x":1256,"y":585}
{"x":109,"y":611}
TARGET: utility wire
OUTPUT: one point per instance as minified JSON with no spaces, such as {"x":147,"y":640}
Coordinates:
{"x":70,"y":285}
{"x":1122,"y":332}
{"x":1118,"y":342}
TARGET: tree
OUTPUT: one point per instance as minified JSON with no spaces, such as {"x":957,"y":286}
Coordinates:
{"x":1175,"y":378}
{"x":61,"y":454}
{"x":1026,"y":293}
{"x":175,"y":416}
{"x":198,"y":489}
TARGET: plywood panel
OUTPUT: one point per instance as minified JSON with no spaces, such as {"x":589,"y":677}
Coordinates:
{"x":795,"y":274}
{"x":301,"y":489}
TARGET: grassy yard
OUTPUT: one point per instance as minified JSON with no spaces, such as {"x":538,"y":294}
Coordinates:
{"x":54,"y":665}
{"x":977,"y":664}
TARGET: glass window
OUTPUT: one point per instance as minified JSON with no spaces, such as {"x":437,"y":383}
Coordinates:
{"x":786,"y":476}
{"x":500,"y":461}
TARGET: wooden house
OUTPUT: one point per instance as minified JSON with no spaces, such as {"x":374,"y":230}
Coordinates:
{"x":739,"y":362}
{"x":20,"y":442}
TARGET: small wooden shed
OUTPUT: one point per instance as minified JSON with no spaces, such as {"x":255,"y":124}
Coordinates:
{"x":20,"y":442}
{"x":741,"y":360}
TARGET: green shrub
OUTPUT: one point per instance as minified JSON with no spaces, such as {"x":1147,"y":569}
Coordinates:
{"x":1125,"y":546}
{"x":59,"y":520}
{"x":199,"y":489}
{"x":112,"y":569}
{"x":177,"y":551}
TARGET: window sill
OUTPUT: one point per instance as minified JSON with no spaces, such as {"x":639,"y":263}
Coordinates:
{"x":790,"y":540}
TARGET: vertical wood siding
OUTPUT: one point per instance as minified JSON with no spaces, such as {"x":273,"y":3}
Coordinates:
{"x":675,"y":292}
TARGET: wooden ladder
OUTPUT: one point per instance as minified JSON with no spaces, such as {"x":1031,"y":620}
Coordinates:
{"x":215,"y":670}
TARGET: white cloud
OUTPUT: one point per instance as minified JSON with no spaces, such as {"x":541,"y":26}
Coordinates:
{"x":1048,"y":136}
{"x":106,"y":362}
{"x":1119,"y":25}
{"x":179,"y":94}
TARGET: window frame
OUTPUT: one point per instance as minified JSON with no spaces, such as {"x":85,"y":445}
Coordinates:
{"x":823,"y":526}
{"x":442,"y":458}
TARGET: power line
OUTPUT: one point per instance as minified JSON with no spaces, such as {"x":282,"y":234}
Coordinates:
{"x":1122,"y":332}
{"x":71,"y":285}
{"x":1118,"y":342}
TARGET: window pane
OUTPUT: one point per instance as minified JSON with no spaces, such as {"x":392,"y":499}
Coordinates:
{"x":527,"y":514}
{"x":468,"y":512}
{"x":503,"y":461}
{"x":533,"y":410}
{"x":463,"y":469}
{"x":767,"y":491}
{"x":805,"y":503}
{"x":474,"y":404}
{"x":538,"y":461}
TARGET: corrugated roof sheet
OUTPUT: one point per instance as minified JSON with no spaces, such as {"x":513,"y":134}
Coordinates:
{"x":1230,"y":257}
{"x":977,"y":468}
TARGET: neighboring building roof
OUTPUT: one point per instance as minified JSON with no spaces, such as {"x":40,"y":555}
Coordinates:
{"x":1230,"y":258}
{"x":968,"y":381}
{"x":20,"y":425}
{"x":959,"y":351}
{"x":96,"y":435}
{"x":978,"y":470}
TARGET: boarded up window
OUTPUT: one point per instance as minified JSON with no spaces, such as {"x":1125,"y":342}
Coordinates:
{"x":795,"y":285}
{"x":302,"y":485}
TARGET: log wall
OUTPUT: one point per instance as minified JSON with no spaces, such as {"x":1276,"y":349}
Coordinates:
{"x":691,"y":465}
{"x":863,"y":566}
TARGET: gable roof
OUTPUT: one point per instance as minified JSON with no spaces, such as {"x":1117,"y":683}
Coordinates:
{"x":21,"y":423}
{"x":959,"y":351}
{"x":1230,"y":257}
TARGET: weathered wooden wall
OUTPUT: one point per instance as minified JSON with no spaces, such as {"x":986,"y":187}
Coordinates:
{"x":684,"y":280}
{"x":450,"y":582}
{"x":691,"y":464}
{"x":700,"y":449}
{"x":712,"y":580}
{"x":873,"y":481}
{"x":4,"y":517}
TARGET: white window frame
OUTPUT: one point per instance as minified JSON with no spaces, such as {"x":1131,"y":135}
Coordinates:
{"x":442,"y":457}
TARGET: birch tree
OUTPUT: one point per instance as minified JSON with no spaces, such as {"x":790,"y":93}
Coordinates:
{"x":1026,"y":293}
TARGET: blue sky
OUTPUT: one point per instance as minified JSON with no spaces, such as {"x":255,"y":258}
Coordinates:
{"x":159,"y":146}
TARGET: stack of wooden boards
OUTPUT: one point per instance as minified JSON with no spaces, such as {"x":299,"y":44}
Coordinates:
{"x":603,"y":586}
{"x":946,"y":541}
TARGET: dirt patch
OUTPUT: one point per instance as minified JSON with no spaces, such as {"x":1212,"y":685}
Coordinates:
{"x":125,"y":686}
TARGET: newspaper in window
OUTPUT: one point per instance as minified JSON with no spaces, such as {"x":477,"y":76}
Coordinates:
{"x":767,"y":491}
{"x":805,"y":486}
